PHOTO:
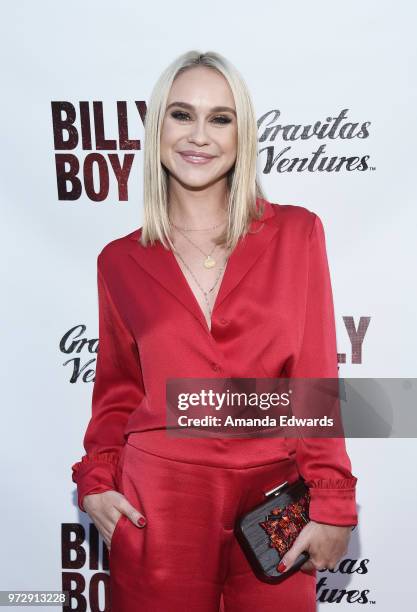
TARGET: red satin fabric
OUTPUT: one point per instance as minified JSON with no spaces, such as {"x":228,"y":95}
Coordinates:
{"x":187,"y":557}
{"x":273,"y":316}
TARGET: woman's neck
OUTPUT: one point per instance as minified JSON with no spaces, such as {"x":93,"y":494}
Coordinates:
{"x":197,"y":211}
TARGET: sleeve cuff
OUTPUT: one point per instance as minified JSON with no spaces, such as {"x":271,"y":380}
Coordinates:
{"x":94,"y":477}
{"x":333,"y":502}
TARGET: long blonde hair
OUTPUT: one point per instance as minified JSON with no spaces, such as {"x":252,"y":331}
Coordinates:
{"x":243,"y":184}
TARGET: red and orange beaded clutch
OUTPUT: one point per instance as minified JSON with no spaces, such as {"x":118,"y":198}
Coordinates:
{"x":270,"y":529}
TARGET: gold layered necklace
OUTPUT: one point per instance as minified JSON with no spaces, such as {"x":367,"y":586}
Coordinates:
{"x":208,"y":263}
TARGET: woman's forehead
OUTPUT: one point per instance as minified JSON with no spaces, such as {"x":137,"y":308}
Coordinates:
{"x":201,"y":86}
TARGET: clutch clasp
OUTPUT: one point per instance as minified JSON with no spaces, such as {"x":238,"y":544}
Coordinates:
{"x":275,"y":490}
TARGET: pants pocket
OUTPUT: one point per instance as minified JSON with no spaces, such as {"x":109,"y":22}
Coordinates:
{"x":113,"y":543}
{"x":127,"y":539}
{"x":120,"y":487}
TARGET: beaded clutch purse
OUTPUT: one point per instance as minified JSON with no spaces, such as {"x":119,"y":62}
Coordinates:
{"x":269,"y":530}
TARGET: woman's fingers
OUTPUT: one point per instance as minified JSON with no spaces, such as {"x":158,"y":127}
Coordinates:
{"x":132,"y":513}
{"x":308,"y":567}
{"x":299,"y":546}
{"x":106,"y":509}
{"x":324,"y":543}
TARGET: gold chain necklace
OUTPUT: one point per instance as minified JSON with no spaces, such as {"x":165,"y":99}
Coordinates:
{"x":209,"y":262}
{"x":205,"y":293}
{"x":200,"y":229}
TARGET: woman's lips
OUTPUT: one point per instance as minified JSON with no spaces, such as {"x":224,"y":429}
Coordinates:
{"x":195,"y":159}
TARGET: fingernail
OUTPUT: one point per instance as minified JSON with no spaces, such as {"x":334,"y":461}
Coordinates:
{"x":282,"y":567}
{"x":141,"y":521}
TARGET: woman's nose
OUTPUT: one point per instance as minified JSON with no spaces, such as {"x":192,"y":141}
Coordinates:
{"x":198,"y":132}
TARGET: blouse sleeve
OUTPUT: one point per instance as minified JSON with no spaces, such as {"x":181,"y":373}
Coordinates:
{"x":322,"y":462}
{"x":118,"y":390}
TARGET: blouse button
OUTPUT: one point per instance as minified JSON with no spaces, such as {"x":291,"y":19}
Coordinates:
{"x":224,"y":321}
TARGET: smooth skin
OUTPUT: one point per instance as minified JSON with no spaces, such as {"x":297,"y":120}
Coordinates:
{"x":198,"y":199}
{"x":326,"y":544}
{"x":106,"y":508}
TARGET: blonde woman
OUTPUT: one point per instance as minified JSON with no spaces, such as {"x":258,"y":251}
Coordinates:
{"x":218,"y":282}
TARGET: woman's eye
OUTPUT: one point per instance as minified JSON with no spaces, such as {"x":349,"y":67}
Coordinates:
{"x":222,"y":119}
{"x":181,"y":116}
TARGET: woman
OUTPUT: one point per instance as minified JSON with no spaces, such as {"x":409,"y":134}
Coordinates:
{"x":218,"y":282}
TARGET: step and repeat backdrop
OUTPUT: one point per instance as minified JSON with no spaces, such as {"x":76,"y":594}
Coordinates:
{"x":334,"y":90}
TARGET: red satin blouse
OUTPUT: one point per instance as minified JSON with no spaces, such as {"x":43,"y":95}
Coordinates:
{"x":273,"y":317}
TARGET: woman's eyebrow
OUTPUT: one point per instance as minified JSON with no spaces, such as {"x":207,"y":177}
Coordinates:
{"x":215,"y":109}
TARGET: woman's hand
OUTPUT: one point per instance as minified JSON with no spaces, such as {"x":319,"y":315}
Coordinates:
{"x":106,"y":508}
{"x":326,"y":544}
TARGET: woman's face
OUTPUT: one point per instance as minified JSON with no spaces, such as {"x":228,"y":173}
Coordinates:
{"x":200,"y":118}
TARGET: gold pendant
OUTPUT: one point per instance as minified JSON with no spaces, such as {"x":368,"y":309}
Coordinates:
{"x":209,"y":262}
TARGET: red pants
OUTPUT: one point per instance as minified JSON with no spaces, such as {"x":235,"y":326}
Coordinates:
{"x":187,"y":558}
